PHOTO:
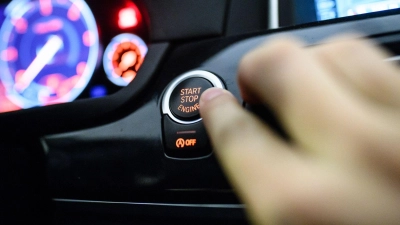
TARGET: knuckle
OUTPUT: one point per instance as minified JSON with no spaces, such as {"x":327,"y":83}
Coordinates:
{"x":347,"y":48}
{"x":255,"y":64}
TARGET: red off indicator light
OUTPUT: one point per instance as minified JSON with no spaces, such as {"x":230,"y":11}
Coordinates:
{"x":128,"y":17}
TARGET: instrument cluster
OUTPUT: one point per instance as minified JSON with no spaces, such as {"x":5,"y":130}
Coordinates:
{"x":55,"y":51}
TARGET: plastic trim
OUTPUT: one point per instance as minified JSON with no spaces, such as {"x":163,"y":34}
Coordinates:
{"x":232,"y":206}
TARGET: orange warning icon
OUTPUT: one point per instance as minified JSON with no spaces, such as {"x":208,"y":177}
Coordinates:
{"x":181,"y":143}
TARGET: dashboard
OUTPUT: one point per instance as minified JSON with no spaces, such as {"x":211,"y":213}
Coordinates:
{"x":59,"y":51}
{"x":100,"y":123}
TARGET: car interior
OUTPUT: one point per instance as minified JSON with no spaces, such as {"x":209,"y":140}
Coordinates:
{"x":99,"y":109}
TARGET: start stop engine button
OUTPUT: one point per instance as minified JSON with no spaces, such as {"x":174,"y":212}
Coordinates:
{"x":181,"y":98}
{"x":184,"y":100}
{"x":184,"y":135}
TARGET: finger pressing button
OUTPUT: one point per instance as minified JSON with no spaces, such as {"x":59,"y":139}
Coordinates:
{"x":184,"y":100}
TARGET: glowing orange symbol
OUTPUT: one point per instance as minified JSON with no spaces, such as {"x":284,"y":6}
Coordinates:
{"x":190,"y":142}
{"x":181,"y":143}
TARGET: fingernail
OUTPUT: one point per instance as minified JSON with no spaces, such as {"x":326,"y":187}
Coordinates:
{"x":211,"y":93}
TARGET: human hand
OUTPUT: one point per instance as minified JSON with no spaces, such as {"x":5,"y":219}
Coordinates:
{"x":340,"y":104}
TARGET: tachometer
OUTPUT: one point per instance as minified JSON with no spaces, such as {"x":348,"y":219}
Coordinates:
{"x":48,"y":51}
{"x":123,"y":58}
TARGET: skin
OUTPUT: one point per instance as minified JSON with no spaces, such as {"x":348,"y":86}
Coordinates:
{"x":340,"y":104}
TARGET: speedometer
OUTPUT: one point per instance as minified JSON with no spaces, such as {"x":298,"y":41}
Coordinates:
{"x":48,"y":51}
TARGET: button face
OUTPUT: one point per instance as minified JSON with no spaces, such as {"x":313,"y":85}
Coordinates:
{"x":184,"y":100}
{"x":185,"y":140}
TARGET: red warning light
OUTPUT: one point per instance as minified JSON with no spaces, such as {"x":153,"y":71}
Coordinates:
{"x":128,"y":17}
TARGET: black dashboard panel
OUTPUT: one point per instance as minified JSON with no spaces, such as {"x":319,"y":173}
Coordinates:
{"x":176,"y":19}
{"x":102,"y":160}
{"x":130,"y":150}
{"x":258,"y":21}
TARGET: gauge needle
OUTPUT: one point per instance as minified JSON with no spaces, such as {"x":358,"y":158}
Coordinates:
{"x":44,"y":56}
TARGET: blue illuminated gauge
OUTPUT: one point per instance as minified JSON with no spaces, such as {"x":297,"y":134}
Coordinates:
{"x":48,"y":51}
{"x":123,"y":58}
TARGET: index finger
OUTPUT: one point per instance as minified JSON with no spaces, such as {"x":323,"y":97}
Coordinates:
{"x":250,"y":153}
